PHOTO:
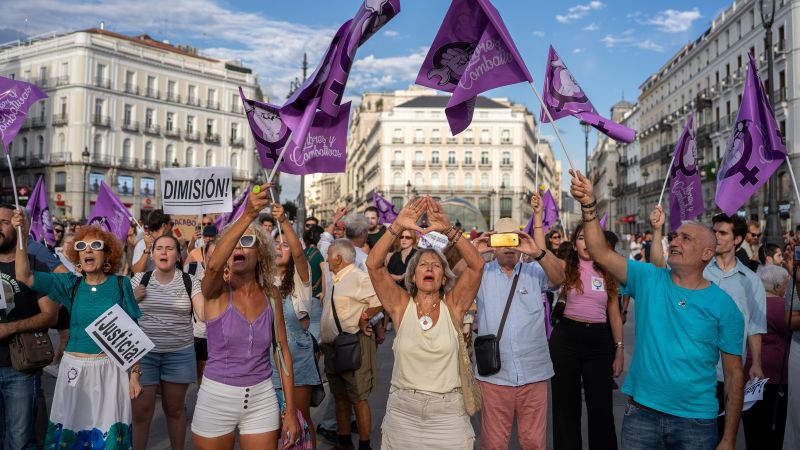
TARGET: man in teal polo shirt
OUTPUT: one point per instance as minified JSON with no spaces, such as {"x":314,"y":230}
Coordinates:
{"x":683,"y":324}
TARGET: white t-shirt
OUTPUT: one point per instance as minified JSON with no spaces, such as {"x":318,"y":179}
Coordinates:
{"x":138,"y":252}
{"x":301,"y":296}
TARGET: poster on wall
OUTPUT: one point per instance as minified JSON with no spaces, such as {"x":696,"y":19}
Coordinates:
{"x":94,"y":181}
{"x":125,"y":185}
{"x":147,"y":187}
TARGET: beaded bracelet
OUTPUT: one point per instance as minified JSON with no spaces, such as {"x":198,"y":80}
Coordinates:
{"x":391,"y":231}
{"x":590,"y":205}
{"x":585,"y":220}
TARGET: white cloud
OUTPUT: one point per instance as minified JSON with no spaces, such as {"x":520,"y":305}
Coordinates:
{"x":673,"y":21}
{"x":391,"y":33}
{"x":629,"y":40}
{"x":538,"y":33}
{"x":591,"y":27}
{"x":647,"y":44}
{"x":578,"y":50}
{"x":580,"y":11}
{"x":372,"y":72}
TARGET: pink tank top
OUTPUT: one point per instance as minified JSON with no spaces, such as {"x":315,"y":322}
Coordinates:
{"x":591,"y":305}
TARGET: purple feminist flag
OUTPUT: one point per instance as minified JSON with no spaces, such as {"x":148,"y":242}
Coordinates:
{"x":755,"y":148}
{"x":472,"y":53}
{"x":41,"y":220}
{"x":110,"y":214}
{"x":324,"y":89}
{"x":387,"y":212}
{"x":16,"y":97}
{"x":549,"y":216}
{"x":239,"y":204}
{"x":685,"y":187}
{"x":564,"y":97}
{"x":603,"y":220}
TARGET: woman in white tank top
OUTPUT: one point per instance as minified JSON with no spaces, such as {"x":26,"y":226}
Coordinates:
{"x":426,"y":408}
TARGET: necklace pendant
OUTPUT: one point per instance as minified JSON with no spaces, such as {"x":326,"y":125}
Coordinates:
{"x":94,"y":289}
{"x":682,"y":303}
{"x":425,"y":322}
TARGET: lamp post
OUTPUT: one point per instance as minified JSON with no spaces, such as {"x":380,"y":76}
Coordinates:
{"x":85,"y":156}
{"x":767,"y":9}
{"x":586,"y":128}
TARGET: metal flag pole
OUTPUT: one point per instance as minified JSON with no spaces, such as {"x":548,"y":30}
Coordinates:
{"x":553,"y":123}
{"x":16,"y":196}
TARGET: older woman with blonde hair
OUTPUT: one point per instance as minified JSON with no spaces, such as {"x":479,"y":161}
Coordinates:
{"x":92,"y":402}
{"x":428,"y":314}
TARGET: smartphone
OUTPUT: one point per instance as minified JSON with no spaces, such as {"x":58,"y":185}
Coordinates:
{"x":504,"y":240}
{"x":796,"y":253}
{"x":197,"y":228}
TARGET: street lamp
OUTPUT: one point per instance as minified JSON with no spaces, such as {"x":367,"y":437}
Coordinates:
{"x":175,"y":163}
{"x":767,"y":9}
{"x":85,"y":156}
{"x":586,"y":128}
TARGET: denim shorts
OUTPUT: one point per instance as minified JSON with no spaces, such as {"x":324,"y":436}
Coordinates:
{"x":178,"y":367}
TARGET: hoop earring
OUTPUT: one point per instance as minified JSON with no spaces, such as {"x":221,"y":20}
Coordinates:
{"x":79,"y":267}
{"x":226,"y":274}
{"x":107,"y":267}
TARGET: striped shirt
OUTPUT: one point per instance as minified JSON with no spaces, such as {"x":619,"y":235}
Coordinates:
{"x":166,"y":312}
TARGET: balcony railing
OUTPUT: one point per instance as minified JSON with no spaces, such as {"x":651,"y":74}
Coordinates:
{"x":101,"y":120}
{"x":397,"y":140}
{"x":152,"y":129}
{"x":62,"y":80}
{"x":128,"y":162}
{"x":237,"y":108}
{"x":60,"y":157}
{"x":398,"y":163}
{"x":60,"y":119}
{"x":236,"y":142}
{"x":193,"y":101}
{"x":131,"y":125}
{"x":452,"y":164}
{"x":436,"y":140}
{"x":469,"y":140}
{"x":172,"y":132}
{"x":486,"y":163}
{"x":210,"y":104}
{"x":152,"y":93}
{"x":38,"y":122}
{"x":452,"y":140}
{"x":212,"y":138}
{"x":131,"y":88}
{"x":151,"y":164}
{"x":419,"y":140}
{"x":173,"y":97}
{"x":505,"y":141}
{"x":101,"y":82}
{"x":505,"y":163}
{"x":192,"y":136}
{"x":418,"y":164}
{"x":101,"y":160}
{"x":780,"y":94}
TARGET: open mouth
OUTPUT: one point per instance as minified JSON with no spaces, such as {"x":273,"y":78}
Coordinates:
{"x":674,"y":252}
{"x":88,"y":259}
{"x":163,"y":259}
{"x":238,"y":258}
{"x":427,"y":278}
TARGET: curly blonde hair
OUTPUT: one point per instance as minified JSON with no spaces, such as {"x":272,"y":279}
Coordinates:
{"x":266,"y":268}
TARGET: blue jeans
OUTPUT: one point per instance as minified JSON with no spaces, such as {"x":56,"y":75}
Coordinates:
{"x":18,"y":411}
{"x":646,"y":429}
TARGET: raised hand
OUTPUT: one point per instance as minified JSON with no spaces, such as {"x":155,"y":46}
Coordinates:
{"x":436,"y":217}
{"x":257,"y":202}
{"x":20,"y":220}
{"x":581,"y":188}
{"x":527,"y":244}
{"x":410,"y":214}
{"x":537,"y":204}
{"x":482,"y":242}
{"x":657,"y":217}
{"x":340,"y":212}
{"x":278,"y":213}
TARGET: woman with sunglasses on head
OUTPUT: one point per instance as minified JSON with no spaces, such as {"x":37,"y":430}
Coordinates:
{"x":92,"y":403}
{"x":404,"y":250}
{"x":243,"y":329}
{"x":168,"y":298}
{"x":586,"y":351}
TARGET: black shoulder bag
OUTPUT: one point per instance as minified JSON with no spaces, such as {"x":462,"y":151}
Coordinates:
{"x":487,"y":347}
{"x":346,"y":346}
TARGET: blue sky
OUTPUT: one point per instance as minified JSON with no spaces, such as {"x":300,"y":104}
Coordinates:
{"x":610,"y":46}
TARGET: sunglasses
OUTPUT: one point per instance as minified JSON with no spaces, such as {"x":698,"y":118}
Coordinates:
{"x":207,"y":224}
{"x":247,"y":241}
{"x":58,"y":230}
{"x":94,"y":245}
{"x":555,"y":236}
{"x":755,"y":234}
{"x":406,"y":237}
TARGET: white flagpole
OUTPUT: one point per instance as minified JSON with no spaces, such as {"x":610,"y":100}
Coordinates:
{"x":666,"y":179}
{"x":278,"y":162}
{"x":794,"y":180}
{"x":553,"y":123}
{"x":536,"y":177}
{"x":271,"y":194}
{"x":16,"y":196}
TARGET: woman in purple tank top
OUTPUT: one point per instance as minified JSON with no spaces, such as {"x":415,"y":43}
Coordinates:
{"x":237,"y":389}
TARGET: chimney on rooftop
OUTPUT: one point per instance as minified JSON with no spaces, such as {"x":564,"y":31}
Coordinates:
{"x":102,"y":25}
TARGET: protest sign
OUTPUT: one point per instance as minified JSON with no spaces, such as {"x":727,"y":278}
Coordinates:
{"x":434,"y":240}
{"x":183,"y":227}
{"x":119,"y":337}
{"x":753,"y":392}
{"x":197,"y":190}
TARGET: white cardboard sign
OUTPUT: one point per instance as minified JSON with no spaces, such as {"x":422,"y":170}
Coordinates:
{"x":119,"y":337}
{"x":197,"y":190}
{"x":753,"y":392}
{"x":434,"y":240}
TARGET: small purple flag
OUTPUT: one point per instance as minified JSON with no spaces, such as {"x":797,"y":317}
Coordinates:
{"x":41,"y":220}
{"x":324,"y":149}
{"x":564,"y":97}
{"x":324,"y":89}
{"x":472,"y":53}
{"x":110,"y":214}
{"x":16,"y":98}
{"x":755,"y":148}
{"x":603,"y":220}
{"x":549,"y":216}
{"x":387,"y":212}
{"x":685,"y":186}
{"x":239,"y":205}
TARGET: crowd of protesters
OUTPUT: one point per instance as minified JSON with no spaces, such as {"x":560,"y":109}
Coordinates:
{"x":260,"y":317}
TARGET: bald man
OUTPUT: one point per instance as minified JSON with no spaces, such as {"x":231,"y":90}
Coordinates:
{"x":683,"y":324}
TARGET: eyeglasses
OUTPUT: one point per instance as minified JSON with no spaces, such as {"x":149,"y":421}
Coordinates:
{"x":406,"y":237}
{"x":310,"y":224}
{"x":755,"y":234}
{"x":58,"y":230}
{"x":207,"y":224}
{"x":247,"y":241}
{"x":555,"y":236}
{"x":95,"y":245}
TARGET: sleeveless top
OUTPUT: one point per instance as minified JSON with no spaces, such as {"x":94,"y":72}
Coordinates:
{"x":396,"y":265}
{"x":238,"y":350}
{"x":419,"y":353}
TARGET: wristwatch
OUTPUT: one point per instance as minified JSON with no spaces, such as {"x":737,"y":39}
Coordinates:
{"x":541,"y":255}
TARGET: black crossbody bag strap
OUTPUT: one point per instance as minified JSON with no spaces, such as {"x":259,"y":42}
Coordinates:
{"x":335,"y":316}
{"x":508,"y":306}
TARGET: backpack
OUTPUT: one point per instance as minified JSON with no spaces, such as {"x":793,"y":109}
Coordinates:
{"x":187,"y":283}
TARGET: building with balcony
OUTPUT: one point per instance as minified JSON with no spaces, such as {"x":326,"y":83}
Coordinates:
{"x":400,"y":145}
{"x":120,"y":108}
{"x":706,"y":77}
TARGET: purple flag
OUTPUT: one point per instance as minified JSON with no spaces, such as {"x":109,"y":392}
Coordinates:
{"x":755,"y":148}
{"x":603,"y":220}
{"x":239,"y":205}
{"x":387,"y":212}
{"x":549,"y":216}
{"x":472,"y":53}
{"x":685,"y":186}
{"x":323,"y":150}
{"x":16,"y":97}
{"x":324,"y":89}
{"x":110,"y":214}
{"x":564,"y":97}
{"x":41,"y":220}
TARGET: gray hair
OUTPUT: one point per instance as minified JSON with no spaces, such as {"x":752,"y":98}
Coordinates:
{"x":772,"y":276}
{"x":356,"y":226}
{"x":449,"y":276}
{"x":706,"y":229}
{"x":343,"y":248}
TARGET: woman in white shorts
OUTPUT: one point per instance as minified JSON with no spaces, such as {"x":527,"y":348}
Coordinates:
{"x":237,"y":388}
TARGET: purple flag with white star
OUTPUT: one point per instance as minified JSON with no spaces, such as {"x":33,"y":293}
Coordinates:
{"x":685,"y":186}
{"x":387,"y":212}
{"x":755,"y":148}
{"x":41,"y":219}
{"x":472,"y":53}
{"x":563,"y":97}
{"x":16,"y":98}
{"x":110,"y":214}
